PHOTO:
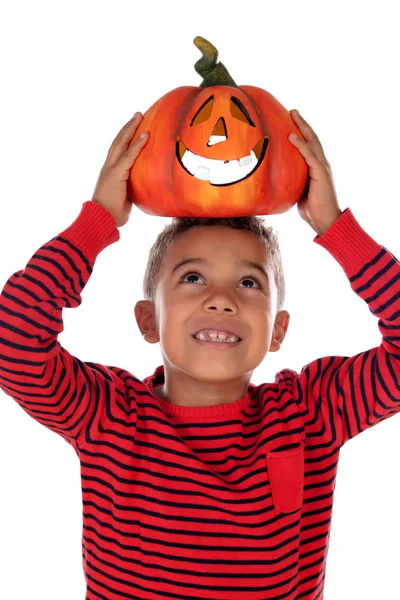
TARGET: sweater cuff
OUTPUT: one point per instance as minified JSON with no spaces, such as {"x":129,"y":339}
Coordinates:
{"x":348,"y":243}
{"x":93,"y":230}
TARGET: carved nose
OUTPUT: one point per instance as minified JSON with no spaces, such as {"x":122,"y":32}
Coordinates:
{"x":219,"y":133}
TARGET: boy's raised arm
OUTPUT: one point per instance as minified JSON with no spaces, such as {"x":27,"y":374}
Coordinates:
{"x":55,"y":388}
{"x":343,"y":396}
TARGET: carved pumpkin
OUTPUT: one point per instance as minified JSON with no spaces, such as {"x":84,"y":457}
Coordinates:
{"x":217,"y":150}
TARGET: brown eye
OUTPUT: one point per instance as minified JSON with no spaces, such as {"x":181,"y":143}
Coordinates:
{"x":252,"y":278}
{"x":246,"y":278}
{"x":188,"y":274}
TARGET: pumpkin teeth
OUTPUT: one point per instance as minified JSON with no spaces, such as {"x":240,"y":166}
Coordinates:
{"x":220,"y":172}
{"x":202,"y":173}
{"x":246,"y":160}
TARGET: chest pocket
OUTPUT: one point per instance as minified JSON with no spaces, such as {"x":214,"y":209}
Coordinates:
{"x":286,"y":475}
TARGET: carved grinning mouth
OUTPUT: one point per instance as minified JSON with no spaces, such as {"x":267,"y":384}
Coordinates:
{"x":220,"y":172}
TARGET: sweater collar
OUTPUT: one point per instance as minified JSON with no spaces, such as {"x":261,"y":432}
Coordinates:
{"x":176,"y":410}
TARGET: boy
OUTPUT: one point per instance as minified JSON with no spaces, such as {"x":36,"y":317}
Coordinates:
{"x":195,"y":482}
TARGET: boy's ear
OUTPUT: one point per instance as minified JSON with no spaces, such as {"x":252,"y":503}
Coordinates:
{"x":280,"y":328}
{"x":146,"y":319}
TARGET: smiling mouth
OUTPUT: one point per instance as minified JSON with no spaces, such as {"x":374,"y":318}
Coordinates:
{"x":221,"y":172}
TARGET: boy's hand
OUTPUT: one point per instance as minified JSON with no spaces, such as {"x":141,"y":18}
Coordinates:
{"x":111,"y":186}
{"x":318,"y":205}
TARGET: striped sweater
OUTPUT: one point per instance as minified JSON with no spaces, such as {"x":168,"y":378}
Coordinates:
{"x":229,"y":502}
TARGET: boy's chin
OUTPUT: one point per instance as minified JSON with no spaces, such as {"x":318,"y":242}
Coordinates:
{"x":208,"y":370}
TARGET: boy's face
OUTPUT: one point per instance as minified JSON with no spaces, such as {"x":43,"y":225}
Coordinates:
{"x":219,"y":288}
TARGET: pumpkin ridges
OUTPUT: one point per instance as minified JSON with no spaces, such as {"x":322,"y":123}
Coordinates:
{"x":213,"y":73}
{"x":161,"y":185}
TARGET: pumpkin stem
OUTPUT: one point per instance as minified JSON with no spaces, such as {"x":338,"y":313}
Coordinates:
{"x":213,"y":73}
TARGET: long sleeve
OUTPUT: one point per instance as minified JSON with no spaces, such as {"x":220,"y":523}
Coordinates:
{"x":340,"y":397}
{"x":52,"y":386}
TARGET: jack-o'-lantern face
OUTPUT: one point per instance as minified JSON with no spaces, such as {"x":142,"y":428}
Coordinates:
{"x":222,"y":119}
{"x":217,"y":150}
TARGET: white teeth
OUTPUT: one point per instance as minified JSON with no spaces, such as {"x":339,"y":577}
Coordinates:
{"x":203,"y":173}
{"x":219,"y":172}
{"x":214,"y":337}
{"x":246,"y":160}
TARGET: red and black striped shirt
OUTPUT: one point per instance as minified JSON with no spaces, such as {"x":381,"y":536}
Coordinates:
{"x":229,"y":502}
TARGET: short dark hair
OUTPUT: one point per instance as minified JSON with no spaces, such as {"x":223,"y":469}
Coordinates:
{"x":179,"y":225}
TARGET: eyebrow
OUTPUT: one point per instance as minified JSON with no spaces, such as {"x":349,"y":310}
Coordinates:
{"x":247,"y":263}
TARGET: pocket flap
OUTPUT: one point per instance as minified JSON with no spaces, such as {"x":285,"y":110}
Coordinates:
{"x":286,"y":475}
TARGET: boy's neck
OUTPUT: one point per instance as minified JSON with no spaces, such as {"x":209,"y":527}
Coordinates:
{"x":200,"y":397}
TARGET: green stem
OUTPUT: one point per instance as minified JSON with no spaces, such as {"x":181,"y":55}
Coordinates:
{"x":213,"y":73}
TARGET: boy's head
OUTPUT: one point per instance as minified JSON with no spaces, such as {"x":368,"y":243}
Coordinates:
{"x":221,"y":288}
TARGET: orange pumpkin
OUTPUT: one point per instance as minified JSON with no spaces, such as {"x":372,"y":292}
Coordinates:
{"x":217,"y":150}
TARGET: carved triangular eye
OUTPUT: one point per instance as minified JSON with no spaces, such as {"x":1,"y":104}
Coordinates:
{"x":239,"y":111}
{"x":203,"y":113}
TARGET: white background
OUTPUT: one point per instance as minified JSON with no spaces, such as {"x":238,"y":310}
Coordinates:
{"x":72,"y":75}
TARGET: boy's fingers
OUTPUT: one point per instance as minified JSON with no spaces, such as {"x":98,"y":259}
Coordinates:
{"x":124,"y":136}
{"x":312,"y":158}
{"x":309,"y":134}
{"x":133,"y":151}
{"x":305,"y":128}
